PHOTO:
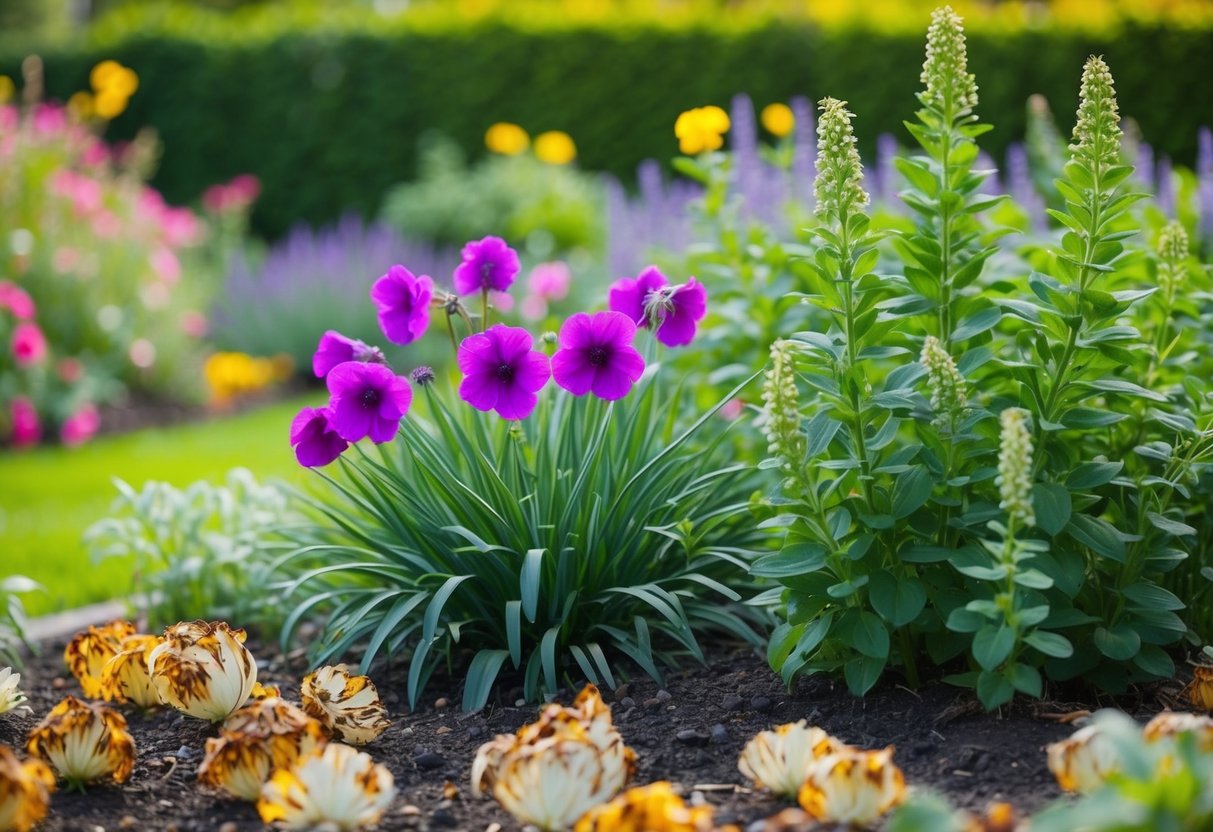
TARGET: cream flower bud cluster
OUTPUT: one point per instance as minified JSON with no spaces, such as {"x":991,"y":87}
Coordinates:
{"x":839,"y":185}
{"x":943,"y":380}
{"x":1097,"y":133}
{"x":1015,"y":467}
{"x":781,"y":408}
{"x":949,"y":84}
{"x":1173,"y":249}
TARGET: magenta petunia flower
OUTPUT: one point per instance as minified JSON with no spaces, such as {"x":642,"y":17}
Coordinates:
{"x":367,"y":400}
{"x":501,"y":372}
{"x":403,"y":301}
{"x":80,"y":426}
{"x":314,"y":439}
{"x":16,"y":300}
{"x":334,"y":348}
{"x":28,"y":344}
{"x":487,"y":264}
{"x":23,"y":418}
{"x":648,"y":299}
{"x":596,"y":355}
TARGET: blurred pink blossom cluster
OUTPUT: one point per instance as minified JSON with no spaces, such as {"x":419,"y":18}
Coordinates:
{"x":235,"y":195}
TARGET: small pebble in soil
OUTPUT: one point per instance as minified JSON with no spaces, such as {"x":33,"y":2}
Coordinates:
{"x":230,"y":826}
{"x":732,"y":702}
{"x":627,"y":702}
{"x":474,"y":731}
{"x":185,"y":752}
{"x":430,"y":759}
{"x":621,"y":692}
{"x":441,"y":702}
{"x":442,"y":729}
{"x":59,"y":683}
{"x":720,"y":735}
{"x":652,"y":702}
{"x":689,"y":736}
{"x":762,"y":704}
{"x":443,"y":817}
{"x":663,"y":696}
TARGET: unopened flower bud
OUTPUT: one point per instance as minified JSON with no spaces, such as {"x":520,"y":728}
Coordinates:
{"x":1097,"y":133}
{"x":944,"y":381}
{"x":838,"y":188}
{"x":1015,"y":467}
{"x":781,"y":406}
{"x":423,"y":375}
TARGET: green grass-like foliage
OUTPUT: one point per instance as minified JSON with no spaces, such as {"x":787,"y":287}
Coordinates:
{"x":12,"y":618}
{"x":587,"y":532}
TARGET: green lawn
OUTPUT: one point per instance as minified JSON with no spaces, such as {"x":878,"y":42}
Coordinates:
{"x":49,"y":496}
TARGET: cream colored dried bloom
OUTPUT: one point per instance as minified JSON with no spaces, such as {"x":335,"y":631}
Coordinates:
{"x":1014,"y":478}
{"x":1199,"y":692}
{"x":1083,"y":761}
{"x":781,"y":405}
{"x":943,"y":380}
{"x":264,"y":735}
{"x":25,"y":791}
{"x":950,"y":87}
{"x":125,"y":677}
{"x":1097,"y":133}
{"x":84,"y":742}
{"x":333,"y":789}
{"x":87,"y":653}
{"x":853,"y":787}
{"x":347,"y":706}
{"x":203,"y":669}
{"x":11,"y":696}
{"x":1169,"y":724}
{"x":780,"y":760}
{"x":838,"y":187}
{"x":552,"y":782}
{"x":652,"y":808}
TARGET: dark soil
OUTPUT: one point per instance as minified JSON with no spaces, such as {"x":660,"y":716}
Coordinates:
{"x":690,"y":732}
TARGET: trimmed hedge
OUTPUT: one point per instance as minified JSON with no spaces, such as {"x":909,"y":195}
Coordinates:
{"x":330,"y":121}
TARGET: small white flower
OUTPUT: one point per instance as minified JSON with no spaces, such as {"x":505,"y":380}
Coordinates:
{"x":334,"y":789}
{"x":11,"y":696}
{"x":203,"y":669}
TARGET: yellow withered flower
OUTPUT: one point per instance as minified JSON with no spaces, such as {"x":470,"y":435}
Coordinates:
{"x":84,"y":742}
{"x":506,"y":138}
{"x":780,"y":760}
{"x":203,"y":669}
{"x":1199,"y":692}
{"x":88,"y":652}
{"x":853,"y":787}
{"x":347,"y":706}
{"x":700,"y":129}
{"x":125,"y":677}
{"x":335,"y":788}
{"x":998,"y":817}
{"x":555,"y":147}
{"x":11,"y":696}
{"x":1169,"y":724}
{"x":1083,"y":761}
{"x":25,"y":791}
{"x":261,"y":691}
{"x":778,"y":119}
{"x":652,"y":808}
{"x":265,"y":735}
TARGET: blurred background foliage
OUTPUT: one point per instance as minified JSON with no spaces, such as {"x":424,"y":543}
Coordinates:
{"x":329,"y":103}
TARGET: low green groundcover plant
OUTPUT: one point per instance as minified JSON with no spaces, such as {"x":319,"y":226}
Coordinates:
{"x":574,"y":527}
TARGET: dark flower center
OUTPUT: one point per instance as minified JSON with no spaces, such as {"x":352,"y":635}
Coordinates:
{"x":486,"y":273}
{"x":505,"y":372}
{"x":370,"y":398}
{"x":597,"y":356}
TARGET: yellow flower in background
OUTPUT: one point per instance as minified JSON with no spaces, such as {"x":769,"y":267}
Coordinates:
{"x":203,"y":669}
{"x":701,"y":129}
{"x":555,"y":147}
{"x":336,"y":788}
{"x":113,"y":85}
{"x":652,"y":808}
{"x":230,"y":374}
{"x":7,"y":89}
{"x":88,"y":652}
{"x":506,"y":138}
{"x":125,"y":677}
{"x":778,"y":119}
{"x":781,"y":759}
{"x":853,"y":787}
{"x":84,"y":742}
{"x":25,"y":791}
{"x":348,"y":706}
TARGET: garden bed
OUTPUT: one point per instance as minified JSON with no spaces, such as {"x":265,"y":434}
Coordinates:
{"x":690,"y":733}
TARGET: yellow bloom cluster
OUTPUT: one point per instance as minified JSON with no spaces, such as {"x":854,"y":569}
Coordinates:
{"x":507,"y":139}
{"x":555,"y":147}
{"x":778,"y":119}
{"x":112,"y":87}
{"x":701,"y":129}
{"x":232,"y":374}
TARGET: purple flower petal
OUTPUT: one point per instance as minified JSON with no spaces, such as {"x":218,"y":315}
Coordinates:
{"x":367,"y":400}
{"x":629,"y":295}
{"x":596,"y":355}
{"x":315,"y":442}
{"x":333,"y":349}
{"x":615,"y":381}
{"x":487,"y":264}
{"x":677,"y":328}
{"x":501,"y":372}
{"x":403,"y":301}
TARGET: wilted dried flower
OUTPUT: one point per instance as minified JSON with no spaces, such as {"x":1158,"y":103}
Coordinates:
{"x":853,"y":787}
{"x":87,"y":653}
{"x":347,"y":706}
{"x":11,"y":696}
{"x":125,"y":677}
{"x":652,"y":808}
{"x":203,"y":669}
{"x":84,"y":742}
{"x":1097,"y":133}
{"x":780,"y":760}
{"x":838,"y":187}
{"x":265,"y":735}
{"x":1084,"y":760}
{"x":1199,"y":692}
{"x":944,"y":381}
{"x":1014,"y":478}
{"x":1169,"y":724}
{"x":951,"y":88}
{"x":333,"y":789}
{"x":781,"y":406}
{"x":25,"y":791}
{"x":261,"y":691}
{"x":789,"y":820}
{"x":998,"y":817}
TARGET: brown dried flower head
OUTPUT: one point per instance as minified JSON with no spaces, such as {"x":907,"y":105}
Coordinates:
{"x":86,"y":654}
{"x":25,"y":791}
{"x":203,"y":669}
{"x":84,"y":742}
{"x":347,"y":706}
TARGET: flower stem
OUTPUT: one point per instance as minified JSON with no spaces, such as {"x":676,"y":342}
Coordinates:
{"x":484,"y":309}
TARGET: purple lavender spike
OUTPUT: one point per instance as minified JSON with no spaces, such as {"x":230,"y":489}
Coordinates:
{"x":1204,"y":183}
{"x":993,"y":183}
{"x":804,"y":150}
{"x":886,"y":171}
{"x":1021,"y":188}
{"x":743,"y":139}
{"x":1144,"y":164}
{"x":1166,"y":187}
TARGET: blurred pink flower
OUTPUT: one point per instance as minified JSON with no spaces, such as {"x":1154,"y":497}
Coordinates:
{"x":96,"y":154}
{"x":142,"y":353}
{"x":26,"y":428}
{"x":9,"y":117}
{"x":194,"y":323}
{"x":550,"y":281}
{"x":107,"y":225}
{"x":501,"y":301}
{"x":235,"y":195}
{"x":534,"y":308}
{"x":16,"y":300}
{"x":50,"y":118}
{"x":85,"y":193}
{"x":70,"y":370}
{"x":732,"y":409}
{"x":180,"y":227}
{"x":80,"y":426}
{"x":166,"y":265}
{"x":28,"y":344}
{"x":65,"y":259}
{"x":246,"y":187}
